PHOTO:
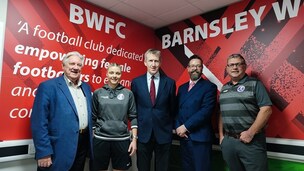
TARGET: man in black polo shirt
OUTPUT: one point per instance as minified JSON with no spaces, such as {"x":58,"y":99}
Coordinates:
{"x":245,"y":108}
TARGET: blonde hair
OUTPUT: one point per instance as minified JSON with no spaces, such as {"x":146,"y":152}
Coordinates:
{"x":114,"y":65}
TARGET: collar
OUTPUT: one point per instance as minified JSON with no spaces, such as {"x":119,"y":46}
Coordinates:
{"x":241,"y":81}
{"x":118,"y":87}
{"x":156,"y":76}
{"x":70,"y":83}
{"x":194,"y":81}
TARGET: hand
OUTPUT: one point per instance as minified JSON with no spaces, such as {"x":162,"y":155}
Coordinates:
{"x":246,"y":136}
{"x":132,"y":147}
{"x":182,"y":131}
{"x":221,"y":139}
{"x":45,"y":162}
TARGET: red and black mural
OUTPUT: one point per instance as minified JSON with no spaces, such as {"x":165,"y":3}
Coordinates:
{"x":269,"y":34}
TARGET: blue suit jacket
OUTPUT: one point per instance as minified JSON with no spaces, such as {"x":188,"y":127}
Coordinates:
{"x":55,"y":124}
{"x":195,"y":109}
{"x":159,"y":117}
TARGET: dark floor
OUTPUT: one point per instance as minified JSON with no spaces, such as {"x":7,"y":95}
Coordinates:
{"x":218,"y":163}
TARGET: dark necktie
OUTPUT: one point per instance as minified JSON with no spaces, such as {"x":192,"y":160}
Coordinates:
{"x":152,"y":90}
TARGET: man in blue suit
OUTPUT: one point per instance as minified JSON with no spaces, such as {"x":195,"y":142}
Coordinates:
{"x":196,"y":103}
{"x":61,"y":119}
{"x":155,"y":100}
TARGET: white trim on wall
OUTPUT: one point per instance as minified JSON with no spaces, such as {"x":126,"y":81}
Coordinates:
{"x":3,"y":12}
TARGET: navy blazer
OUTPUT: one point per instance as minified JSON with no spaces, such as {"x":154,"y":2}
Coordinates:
{"x":55,"y":123}
{"x":195,"y":109}
{"x":159,"y":117}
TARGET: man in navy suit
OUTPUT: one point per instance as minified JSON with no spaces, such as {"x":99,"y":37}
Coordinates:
{"x":155,"y":114}
{"x":196,"y":103}
{"x":61,"y":119}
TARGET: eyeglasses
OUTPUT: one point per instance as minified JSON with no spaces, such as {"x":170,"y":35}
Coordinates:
{"x":194,"y":66}
{"x":235,"y":64}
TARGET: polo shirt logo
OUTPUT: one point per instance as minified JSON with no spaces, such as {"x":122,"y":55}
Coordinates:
{"x":241,"y":88}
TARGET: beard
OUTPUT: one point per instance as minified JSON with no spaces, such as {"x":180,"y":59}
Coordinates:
{"x":195,"y":75}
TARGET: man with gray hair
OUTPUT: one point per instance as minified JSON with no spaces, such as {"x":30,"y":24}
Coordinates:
{"x":154,"y":94}
{"x":61,"y":119}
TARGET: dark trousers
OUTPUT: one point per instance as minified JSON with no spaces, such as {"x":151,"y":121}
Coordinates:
{"x":82,"y":150}
{"x":196,"y":156}
{"x":245,"y":157}
{"x":144,"y":155}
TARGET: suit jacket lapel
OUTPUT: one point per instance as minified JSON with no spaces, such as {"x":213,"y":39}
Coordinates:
{"x":161,"y":87}
{"x":194,"y":89}
{"x":65,"y":90}
{"x":144,"y":87}
{"x":88,"y":94}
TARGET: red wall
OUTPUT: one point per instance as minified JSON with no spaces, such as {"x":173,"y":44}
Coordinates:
{"x":268,"y":33}
{"x":39,"y":32}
